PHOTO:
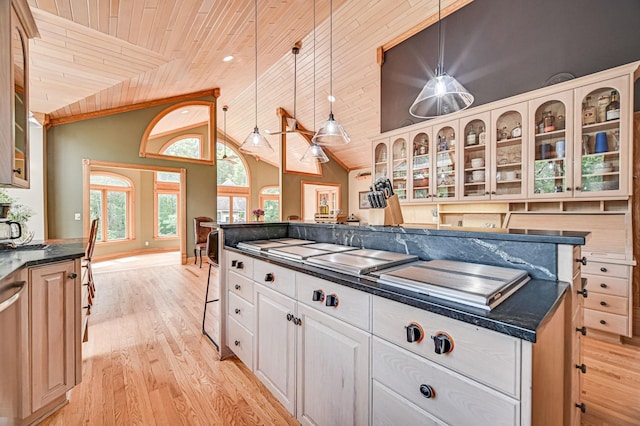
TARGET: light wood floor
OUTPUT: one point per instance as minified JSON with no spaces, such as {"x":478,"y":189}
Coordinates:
{"x":147,"y":362}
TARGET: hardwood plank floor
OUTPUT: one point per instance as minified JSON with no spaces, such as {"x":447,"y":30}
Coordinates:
{"x":147,"y":362}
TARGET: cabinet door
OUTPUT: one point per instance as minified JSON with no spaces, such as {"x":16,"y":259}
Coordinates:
{"x":333,"y":371}
{"x":475,"y":157}
{"x":551,"y":146}
{"x":274,"y":358}
{"x":602,"y":157}
{"x":400,"y":166}
{"x":380,"y":159}
{"x":447,"y":163}
{"x":421,"y":170}
{"x":509,"y":141}
{"x":52,"y":332}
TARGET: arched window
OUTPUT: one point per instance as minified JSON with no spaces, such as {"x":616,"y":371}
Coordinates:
{"x":270,"y":203}
{"x":187,"y":146}
{"x":110,"y":201}
{"x":233,"y":185}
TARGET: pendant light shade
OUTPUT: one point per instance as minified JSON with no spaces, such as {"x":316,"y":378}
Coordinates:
{"x":442,"y":94}
{"x":331,"y":132}
{"x":255,"y":143}
{"x":314,"y":154}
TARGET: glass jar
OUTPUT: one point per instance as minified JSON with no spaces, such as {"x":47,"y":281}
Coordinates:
{"x":588,"y":112}
{"x":516,"y":132}
{"x":482,"y":136}
{"x":471,"y":137}
{"x":549,"y":122}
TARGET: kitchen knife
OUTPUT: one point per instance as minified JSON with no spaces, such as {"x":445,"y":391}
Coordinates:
{"x":390,"y":186}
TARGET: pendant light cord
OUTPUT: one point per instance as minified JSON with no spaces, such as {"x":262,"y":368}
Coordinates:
{"x":331,"y":56}
{"x":256,"y":48}
{"x":314,"y":65}
{"x":440,"y":66}
{"x":295,"y":82}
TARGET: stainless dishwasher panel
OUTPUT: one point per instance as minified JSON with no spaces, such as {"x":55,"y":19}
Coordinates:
{"x":10,"y":310}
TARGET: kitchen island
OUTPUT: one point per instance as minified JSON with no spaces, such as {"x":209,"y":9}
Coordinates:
{"x":404,"y":357}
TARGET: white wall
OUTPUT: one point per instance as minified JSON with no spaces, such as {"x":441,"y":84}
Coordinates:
{"x":34,"y":196}
{"x":357,"y":185}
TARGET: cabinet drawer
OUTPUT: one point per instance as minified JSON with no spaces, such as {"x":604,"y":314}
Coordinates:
{"x":605,"y":303}
{"x":607,"y":285}
{"x":611,"y":323}
{"x":275,"y":277}
{"x":458,"y":401}
{"x":489,"y":357}
{"x":240,"y":341}
{"x":390,"y":409}
{"x":241,"y":311}
{"x":240,"y":264}
{"x":608,"y":269}
{"x":242,"y":286}
{"x":353,"y":306}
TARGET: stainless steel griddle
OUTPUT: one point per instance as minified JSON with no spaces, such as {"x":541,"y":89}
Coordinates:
{"x":481,"y":286}
{"x":302,"y":252}
{"x":262,"y":245}
{"x":359,"y":262}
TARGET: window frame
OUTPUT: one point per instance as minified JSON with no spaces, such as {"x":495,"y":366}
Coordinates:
{"x":178,"y":139}
{"x":262,"y":197}
{"x":129,"y":197}
{"x":234,"y":192}
{"x":170,"y":188}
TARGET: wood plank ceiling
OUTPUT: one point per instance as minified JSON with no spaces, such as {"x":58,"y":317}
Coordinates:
{"x":100,"y":54}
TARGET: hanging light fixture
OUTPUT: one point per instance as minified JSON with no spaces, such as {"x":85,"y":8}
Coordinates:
{"x":331,"y":132}
{"x":442,"y":94}
{"x":255,"y":143}
{"x":231,"y":159}
{"x":314,"y":153}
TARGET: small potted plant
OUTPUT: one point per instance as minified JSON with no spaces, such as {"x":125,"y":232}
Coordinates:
{"x":257,"y":214}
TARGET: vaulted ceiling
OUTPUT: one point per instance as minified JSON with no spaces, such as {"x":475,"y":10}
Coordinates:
{"x":95,"y":55}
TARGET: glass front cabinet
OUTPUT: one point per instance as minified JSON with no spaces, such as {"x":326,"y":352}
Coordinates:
{"x":602,"y":143}
{"x":475,"y":157}
{"x":400,"y":166}
{"x":509,"y":153}
{"x":421,"y":166}
{"x":380,"y":160}
{"x":446,"y":167}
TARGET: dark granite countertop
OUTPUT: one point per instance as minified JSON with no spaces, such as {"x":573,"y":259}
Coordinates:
{"x":13,"y":260}
{"x":521,"y":315}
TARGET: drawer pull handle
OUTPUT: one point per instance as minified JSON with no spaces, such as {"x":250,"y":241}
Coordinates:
{"x":443,"y":343}
{"x":583,"y":292}
{"x":240,"y":265}
{"x":582,"y":330}
{"x":234,"y":263}
{"x":603,"y":322}
{"x":237,"y":311}
{"x":86,"y":307}
{"x":237,"y":343}
{"x":583,"y":260}
{"x":318,"y":295}
{"x":603,"y":285}
{"x":289,"y":317}
{"x":427,"y":391}
{"x":332,"y":300}
{"x":72,"y":276}
{"x":414,"y":333}
{"x":237,"y":286}
{"x":582,"y":407}
{"x":603,"y":269}
{"x":603,"y":303}
{"x":269,"y":278}
{"x":582,"y":368}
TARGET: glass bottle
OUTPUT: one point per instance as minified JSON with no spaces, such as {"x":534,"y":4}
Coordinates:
{"x":471,"y":137}
{"x":482,"y":136}
{"x":603,"y":102}
{"x":540,"y":124}
{"x":452,"y":140}
{"x":549,"y":122}
{"x":588,"y":112}
{"x":516,"y":132}
{"x":613,"y":109}
{"x":403,"y":151}
{"x":324,"y":206}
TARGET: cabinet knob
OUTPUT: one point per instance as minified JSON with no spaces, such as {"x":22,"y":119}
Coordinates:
{"x":582,"y":260}
{"x":86,"y":307}
{"x":582,"y":407}
{"x":582,"y":368}
{"x":582,"y":330}
{"x":603,"y":303}
{"x":269,"y":278}
{"x":18,"y":171}
{"x":237,"y":343}
{"x":603,"y":322}
{"x":237,"y":311}
{"x":72,"y":276}
{"x":332,"y":300}
{"x":240,"y":265}
{"x":297,"y":321}
{"x":603,"y":285}
{"x":234,"y":263}
{"x":486,"y":193}
{"x":289,"y":317}
{"x":414,"y":333}
{"x":443,"y":343}
{"x":427,"y":391}
{"x":577,"y":189}
{"x":318,"y":296}
{"x":583,"y":292}
{"x":237,"y":286}
{"x":493,"y":192}
{"x":603,"y":269}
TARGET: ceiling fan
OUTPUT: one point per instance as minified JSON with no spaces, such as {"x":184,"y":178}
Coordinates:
{"x":292,"y":123}
{"x":231,"y":159}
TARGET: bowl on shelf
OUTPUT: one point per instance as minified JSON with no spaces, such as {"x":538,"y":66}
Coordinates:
{"x":477,"y":162}
{"x":478,"y":175}
{"x":420,"y":182}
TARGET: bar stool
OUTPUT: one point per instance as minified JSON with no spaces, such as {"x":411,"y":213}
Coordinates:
{"x":200,"y":237}
{"x":212,"y":258}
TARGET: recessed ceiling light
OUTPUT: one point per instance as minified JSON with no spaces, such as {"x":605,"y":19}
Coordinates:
{"x":227,"y":58}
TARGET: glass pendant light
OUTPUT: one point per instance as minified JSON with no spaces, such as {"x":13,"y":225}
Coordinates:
{"x":314,"y":153}
{"x":331,"y":132}
{"x":442,"y":94}
{"x":255,"y":143}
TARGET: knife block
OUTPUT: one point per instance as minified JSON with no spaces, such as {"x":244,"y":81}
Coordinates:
{"x":391,"y":215}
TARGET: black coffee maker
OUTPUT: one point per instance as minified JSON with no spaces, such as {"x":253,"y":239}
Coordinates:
{"x":9,"y":230}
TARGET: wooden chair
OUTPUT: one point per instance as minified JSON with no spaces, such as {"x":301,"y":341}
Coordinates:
{"x":200,"y":237}
{"x":87,"y":279}
{"x":293,"y":217}
{"x":213,"y":259}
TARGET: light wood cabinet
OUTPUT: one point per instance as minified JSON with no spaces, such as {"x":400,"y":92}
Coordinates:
{"x":509,"y":141}
{"x":54,"y":338}
{"x":17,"y":26}
{"x":475,"y":157}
